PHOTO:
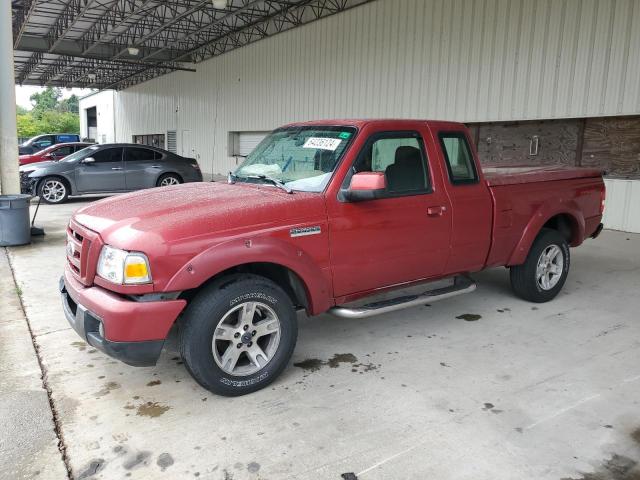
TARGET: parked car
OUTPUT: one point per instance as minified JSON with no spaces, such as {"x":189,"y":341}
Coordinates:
{"x":54,"y":152}
{"x":318,"y":216}
{"x":107,"y":168}
{"x":40,"y":142}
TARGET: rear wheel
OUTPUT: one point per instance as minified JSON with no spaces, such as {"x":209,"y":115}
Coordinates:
{"x":541,"y":277}
{"x":53,"y":190}
{"x":168,"y":179}
{"x":238,"y":334}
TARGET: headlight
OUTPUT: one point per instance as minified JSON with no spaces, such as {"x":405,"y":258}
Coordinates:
{"x":120,"y":266}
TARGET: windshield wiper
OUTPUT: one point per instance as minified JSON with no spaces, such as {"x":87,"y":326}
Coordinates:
{"x":271,"y":180}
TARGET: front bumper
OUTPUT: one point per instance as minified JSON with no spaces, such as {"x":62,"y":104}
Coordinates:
{"x":129,"y":331}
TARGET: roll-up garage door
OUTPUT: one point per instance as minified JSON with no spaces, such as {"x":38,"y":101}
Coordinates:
{"x":247,"y":141}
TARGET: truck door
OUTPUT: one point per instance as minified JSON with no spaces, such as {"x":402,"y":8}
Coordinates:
{"x":471,"y":204}
{"x":400,"y":237}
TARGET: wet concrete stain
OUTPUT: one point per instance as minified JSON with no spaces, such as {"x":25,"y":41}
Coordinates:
{"x":139,"y":459}
{"x":152,"y":409}
{"x":469,"y":317}
{"x":227,"y":475}
{"x":106,"y":389}
{"x":339,"y":358}
{"x":253,"y":467}
{"x":490,"y":407}
{"x":618,"y":467}
{"x":92,"y":469}
{"x":349,"y":476}
{"x":164,"y":461}
{"x":310,"y":364}
{"x":81,"y":346}
{"x":635,"y":435}
{"x":153,"y":383}
{"x":314,"y":364}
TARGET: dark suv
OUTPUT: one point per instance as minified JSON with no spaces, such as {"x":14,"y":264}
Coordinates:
{"x":40,"y":142}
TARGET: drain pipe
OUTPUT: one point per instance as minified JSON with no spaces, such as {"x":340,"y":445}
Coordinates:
{"x":9,"y":179}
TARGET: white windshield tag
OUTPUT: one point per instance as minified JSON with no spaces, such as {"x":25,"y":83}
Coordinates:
{"x":322,"y":143}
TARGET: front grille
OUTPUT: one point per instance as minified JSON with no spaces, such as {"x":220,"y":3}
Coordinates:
{"x":26,"y":184}
{"x":79,"y":242}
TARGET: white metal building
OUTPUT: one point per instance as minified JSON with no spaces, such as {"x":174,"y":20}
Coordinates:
{"x":571,"y":65}
{"x":97,"y":119}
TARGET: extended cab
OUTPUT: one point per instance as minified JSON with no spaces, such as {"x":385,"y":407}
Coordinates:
{"x":318,"y":217}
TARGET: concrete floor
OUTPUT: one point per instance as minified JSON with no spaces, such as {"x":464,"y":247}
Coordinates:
{"x":526,"y":391}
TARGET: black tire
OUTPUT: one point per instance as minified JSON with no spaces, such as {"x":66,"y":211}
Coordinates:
{"x":174,"y":177}
{"x":524,"y":278}
{"x":46,"y":188}
{"x":201,"y":320}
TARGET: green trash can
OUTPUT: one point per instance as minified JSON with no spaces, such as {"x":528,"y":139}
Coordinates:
{"x":14,"y":220}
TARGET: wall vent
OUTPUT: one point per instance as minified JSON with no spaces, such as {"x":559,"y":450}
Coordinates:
{"x":172,"y":144}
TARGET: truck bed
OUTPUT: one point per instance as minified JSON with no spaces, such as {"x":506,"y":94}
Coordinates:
{"x":511,"y":175}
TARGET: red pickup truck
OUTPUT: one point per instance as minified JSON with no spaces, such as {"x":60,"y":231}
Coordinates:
{"x":318,"y":217}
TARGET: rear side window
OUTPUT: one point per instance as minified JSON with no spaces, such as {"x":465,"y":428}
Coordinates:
{"x":108,"y":155}
{"x":457,"y":155}
{"x":140,"y":154}
{"x":63,"y":151}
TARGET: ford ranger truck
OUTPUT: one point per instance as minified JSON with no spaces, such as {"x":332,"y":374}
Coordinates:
{"x":325,"y":216}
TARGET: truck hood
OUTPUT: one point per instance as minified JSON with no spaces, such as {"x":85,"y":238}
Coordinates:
{"x":172,"y":214}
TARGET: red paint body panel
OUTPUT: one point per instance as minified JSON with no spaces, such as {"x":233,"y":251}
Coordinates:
{"x":195,"y":231}
{"x":124,"y":320}
{"x":45,"y":155}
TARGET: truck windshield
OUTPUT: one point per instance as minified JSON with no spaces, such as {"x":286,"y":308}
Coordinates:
{"x":303,"y":158}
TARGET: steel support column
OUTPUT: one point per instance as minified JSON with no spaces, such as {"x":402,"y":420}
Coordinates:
{"x":9,"y":181}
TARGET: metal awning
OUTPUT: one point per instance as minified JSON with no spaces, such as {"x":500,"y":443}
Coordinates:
{"x":119,"y":43}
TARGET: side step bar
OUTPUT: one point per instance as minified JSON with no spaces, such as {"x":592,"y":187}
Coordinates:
{"x":461,"y":284}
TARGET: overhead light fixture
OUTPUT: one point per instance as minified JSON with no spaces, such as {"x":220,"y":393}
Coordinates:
{"x":133,"y":50}
{"x":91,"y":76}
{"x":219,"y":4}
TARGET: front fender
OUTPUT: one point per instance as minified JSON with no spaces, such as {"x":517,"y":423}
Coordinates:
{"x":541,"y":216}
{"x":236,"y":252}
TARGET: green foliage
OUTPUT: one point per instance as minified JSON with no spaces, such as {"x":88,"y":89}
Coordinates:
{"x":49,"y":114}
{"x":70,"y":104}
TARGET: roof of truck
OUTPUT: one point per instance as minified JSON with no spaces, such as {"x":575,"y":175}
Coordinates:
{"x":511,"y":175}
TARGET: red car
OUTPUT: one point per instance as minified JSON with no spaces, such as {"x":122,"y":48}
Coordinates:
{"x":52,"y":153}
{"x":319,"y":216}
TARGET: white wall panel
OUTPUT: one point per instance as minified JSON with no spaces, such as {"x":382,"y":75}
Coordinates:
{"x":621,"y":211}
{"x":466,"y":60}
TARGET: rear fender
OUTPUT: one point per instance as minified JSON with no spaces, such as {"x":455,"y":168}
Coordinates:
{"x":543,"y":214}
{"x":238,"y":252}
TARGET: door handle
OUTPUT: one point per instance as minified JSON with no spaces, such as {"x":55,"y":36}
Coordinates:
{"x":116,"y":168}
{"x":436,"y":211}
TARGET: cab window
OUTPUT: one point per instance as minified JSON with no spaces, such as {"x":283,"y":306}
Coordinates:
{"x":400,"y":156}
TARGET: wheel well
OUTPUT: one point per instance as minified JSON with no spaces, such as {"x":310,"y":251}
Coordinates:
{"x":566,"y":225}
{"x":285,"y":278}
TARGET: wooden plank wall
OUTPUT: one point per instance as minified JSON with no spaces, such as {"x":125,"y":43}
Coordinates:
{"x":611,"y":143}
{"x":614,"y":144}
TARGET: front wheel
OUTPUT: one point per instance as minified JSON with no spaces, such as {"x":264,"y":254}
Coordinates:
{"x":53,"y":190}
{"x":541,"y":277}
{"x":238,"y":334}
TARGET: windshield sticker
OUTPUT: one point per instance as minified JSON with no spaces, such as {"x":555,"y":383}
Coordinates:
{"x":344,"y":135}
{"x":322,"y":143}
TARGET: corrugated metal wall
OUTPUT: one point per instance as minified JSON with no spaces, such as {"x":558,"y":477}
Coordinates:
{"x":622,"y":210}
{"x":466,"y":60}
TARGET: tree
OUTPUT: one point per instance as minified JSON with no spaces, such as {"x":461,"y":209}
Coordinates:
{"x":45,"y":100}
{"x":70,"y":104}
{"x":49,"y":114}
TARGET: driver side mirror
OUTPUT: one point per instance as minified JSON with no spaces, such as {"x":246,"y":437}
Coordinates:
{"x":49,"y":155}
{"x":365,"y":186}
{"x":88,"y":160}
